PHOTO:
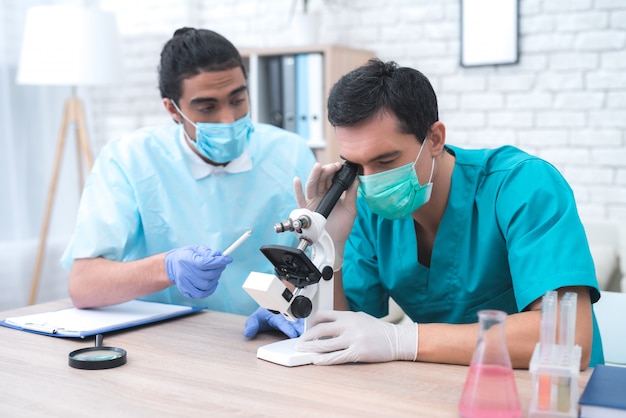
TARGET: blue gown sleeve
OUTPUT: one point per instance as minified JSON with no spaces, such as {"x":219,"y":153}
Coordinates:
{"x":108,"y":221}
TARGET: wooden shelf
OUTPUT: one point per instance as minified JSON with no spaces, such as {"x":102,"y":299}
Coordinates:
{"x":337,"y":61}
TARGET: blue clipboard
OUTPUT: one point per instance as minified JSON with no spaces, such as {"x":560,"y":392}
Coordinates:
{"x":81,"y":323}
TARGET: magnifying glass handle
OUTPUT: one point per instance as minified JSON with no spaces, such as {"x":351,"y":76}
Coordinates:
{"x":99,"y":339}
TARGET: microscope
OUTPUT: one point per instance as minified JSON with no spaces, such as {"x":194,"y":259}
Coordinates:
{"x":304,"y":275}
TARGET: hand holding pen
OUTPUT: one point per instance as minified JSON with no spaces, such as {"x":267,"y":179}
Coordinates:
{"x":196,"y":269}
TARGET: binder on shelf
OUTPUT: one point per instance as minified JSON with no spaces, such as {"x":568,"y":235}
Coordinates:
{"x":274,"y":91}
{"x":316,"y":100}
{"x":289,"y":92}
{"x":257,"y":70}
{"x":302,"y":96}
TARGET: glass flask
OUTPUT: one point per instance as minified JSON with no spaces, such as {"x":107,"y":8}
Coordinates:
{"x":490,"y":390}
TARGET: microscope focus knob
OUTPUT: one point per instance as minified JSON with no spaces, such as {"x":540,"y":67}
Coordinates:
{"x":327,"y":273}
{"x":301,"y":307}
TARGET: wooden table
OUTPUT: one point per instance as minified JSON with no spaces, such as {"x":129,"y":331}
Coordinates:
{"x":201,"y":365}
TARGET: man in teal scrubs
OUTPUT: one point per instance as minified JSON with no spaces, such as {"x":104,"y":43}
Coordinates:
{"x":442,"y":230}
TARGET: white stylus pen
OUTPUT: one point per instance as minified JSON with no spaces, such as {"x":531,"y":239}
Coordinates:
{"x":237,"y":242}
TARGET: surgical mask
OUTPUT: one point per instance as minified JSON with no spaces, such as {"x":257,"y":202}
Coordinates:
{"x":396,"y":193}
{"x":221,"y":142}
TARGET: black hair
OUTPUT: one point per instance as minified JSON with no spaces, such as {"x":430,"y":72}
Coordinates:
{"x":384,"y":87}
{"x":191,"y":51}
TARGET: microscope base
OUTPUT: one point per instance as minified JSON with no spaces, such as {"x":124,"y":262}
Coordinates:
{"x":283,"y":353}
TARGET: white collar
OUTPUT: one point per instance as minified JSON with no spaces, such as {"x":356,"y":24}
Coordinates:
{"x":200,"y":168}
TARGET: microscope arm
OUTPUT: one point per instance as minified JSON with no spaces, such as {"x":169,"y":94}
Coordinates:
{"x":310,"y":278}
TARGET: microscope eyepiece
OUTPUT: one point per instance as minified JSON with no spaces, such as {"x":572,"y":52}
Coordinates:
{"x":342,"y":180}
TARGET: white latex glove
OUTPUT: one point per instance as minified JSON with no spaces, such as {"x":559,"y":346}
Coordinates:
{"x":346,"y":337}
{"x":341,"y":218}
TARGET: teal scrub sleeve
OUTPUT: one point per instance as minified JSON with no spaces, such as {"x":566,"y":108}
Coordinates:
{"x":547,"y":246}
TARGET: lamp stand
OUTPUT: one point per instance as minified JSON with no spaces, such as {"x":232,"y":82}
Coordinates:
{"x":73,"y":113}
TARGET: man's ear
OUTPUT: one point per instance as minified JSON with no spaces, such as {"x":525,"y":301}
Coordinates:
{"x":171,"y":109}
{"x":437,"y":135}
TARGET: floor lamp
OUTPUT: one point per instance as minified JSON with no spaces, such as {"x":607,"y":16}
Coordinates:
{"x":68,"y":46}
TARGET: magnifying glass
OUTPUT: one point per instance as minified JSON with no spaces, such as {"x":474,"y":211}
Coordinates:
{"x":98,"y":357}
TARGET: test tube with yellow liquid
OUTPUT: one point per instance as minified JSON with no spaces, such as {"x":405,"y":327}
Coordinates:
{"x":555,"y":365}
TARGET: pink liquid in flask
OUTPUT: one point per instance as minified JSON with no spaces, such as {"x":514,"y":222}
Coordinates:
{"x":490,"y":392}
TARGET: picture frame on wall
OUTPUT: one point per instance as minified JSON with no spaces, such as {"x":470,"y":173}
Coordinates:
{"x":489,"y":32}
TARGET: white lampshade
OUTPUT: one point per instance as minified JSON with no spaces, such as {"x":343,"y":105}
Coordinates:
{"x":70,"y":45}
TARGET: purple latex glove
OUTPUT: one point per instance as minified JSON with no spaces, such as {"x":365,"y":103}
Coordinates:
{"x":195,"y":269}
{"x":263,"y":320}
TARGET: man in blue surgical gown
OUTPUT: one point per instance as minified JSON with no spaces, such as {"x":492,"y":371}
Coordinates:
{"x":163,"y":202}
{"x":442,"y":230}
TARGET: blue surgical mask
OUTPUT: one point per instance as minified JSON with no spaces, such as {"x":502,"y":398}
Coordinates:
{"x":221,"y":142}
{"x":396,"y":193}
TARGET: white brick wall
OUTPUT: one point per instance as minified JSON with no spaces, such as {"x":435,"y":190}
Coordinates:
{"x":565,"y":100}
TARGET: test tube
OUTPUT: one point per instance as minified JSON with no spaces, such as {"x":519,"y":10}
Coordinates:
{"x":567,"y":321}
{"x":567,"y":331}
{"x":548,"y":339}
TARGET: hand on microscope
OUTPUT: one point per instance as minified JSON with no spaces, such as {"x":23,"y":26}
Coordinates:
{"x":263,"y":320}
{"x":340,"y":220}
{"x":195,"y":269}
